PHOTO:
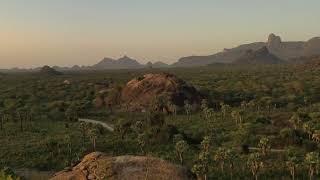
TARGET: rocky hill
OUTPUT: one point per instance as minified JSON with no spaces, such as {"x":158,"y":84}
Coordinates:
{"x":47,"y":70}
{"x":121,"y":63}
{"x":100,"y":166}
{"x":141,"y":92}
{"x":260,"y":56}
{"x":283,"y":50}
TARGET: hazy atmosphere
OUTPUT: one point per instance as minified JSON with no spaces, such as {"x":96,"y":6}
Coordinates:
{"x":159,"y":89}
{"x":67,"y":32}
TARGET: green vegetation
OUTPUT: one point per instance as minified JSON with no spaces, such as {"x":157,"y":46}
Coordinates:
{"x":260,"y":122}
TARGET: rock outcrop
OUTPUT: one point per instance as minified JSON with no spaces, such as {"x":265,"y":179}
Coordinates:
{"x":261,"y":56}
{"x":141,"y":92}
{"x":100,"y":166}
{"x":274,"y":42}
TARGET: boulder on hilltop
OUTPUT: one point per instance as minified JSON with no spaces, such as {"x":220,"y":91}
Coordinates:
{"x":161,"y":89}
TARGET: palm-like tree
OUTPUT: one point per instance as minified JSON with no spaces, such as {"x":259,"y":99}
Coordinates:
{"x":205,"y":144}
{"x":237,"y":116}
{"x":255,"y":164}
{"x":142,"y":142}
{"x":221,"y":157}
{"x":224,"y":109}
{"x":83,"y":129}
{"x":264,"y":145}
{"x":292,"y":164}
{"x":312,"y":160}
{"x":2,"y":120}
{"x":231,"y":158}
{"x":181,"y":147}
{"x":68,"y":141}
{"x":201,"y":166}
{"x":204,"y":104}
{"x":295,"y":120}
{"x":187,"y":108}
{"x":316,"y":136}
{"x":94,"y":133}
{"x":307,"y":127}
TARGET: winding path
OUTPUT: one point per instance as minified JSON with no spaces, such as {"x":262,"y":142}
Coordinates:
{"x":109,"y":127}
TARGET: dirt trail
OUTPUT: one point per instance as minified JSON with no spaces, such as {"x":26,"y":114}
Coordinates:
{"x":109,"y":127}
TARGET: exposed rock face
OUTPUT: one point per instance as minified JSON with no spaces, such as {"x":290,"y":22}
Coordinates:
{"x":274,"y":42}
{"x":141,"y":92}
{"x":100,"y":166}
{"x":261,"y":56}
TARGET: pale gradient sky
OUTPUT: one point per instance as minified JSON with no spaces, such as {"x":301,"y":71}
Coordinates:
{"x":67,"y":32}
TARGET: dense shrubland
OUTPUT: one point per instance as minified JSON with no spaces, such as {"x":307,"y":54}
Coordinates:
{"x":260,"y":122}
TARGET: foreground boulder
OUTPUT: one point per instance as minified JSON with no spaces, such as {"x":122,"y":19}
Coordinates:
{"x":163,"y":89}
{"x":100,"y":166}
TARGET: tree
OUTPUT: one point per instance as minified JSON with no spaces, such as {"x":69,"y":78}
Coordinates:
{"x":187,"y":108}
{"x":224,"y":109}
{"x":20,"y":117}
{"x":121,"y":127}
{"x":231,"y":158}
{"x":255,"y":164}
{"x":181,"y":147}
{"x":83,"y":129}
{"x":208,"y":114}
{"x":316,"y":136}
{"x":8,"y":174}
{"x":93,"y":134}
{"x":142,"y":142}
{"x":288,"y":134}
{"x":221,"y":157}
{"x":138,"y":127}
{"x":237,"y":116}
{"x":68,"y":141}
{"x":205,"y":144}
{"x":295,"y":120}
{"x":264,"y":145}
{"x":173,"y":108}
{"x":204,"y":104}
{"x":312,"y":160}
{"x":292,"y":163}
{"x":2,"y":120}
{"x":71,"y":113}
{"x":201,"y":166}
{"x":308,"y":128}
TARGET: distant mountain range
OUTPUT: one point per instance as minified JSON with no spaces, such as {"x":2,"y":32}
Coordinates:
{"x":273,"y":51}
{"x":283,"y":50}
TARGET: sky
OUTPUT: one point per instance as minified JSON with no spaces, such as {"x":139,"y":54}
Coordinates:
{"x":68,"y":32}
